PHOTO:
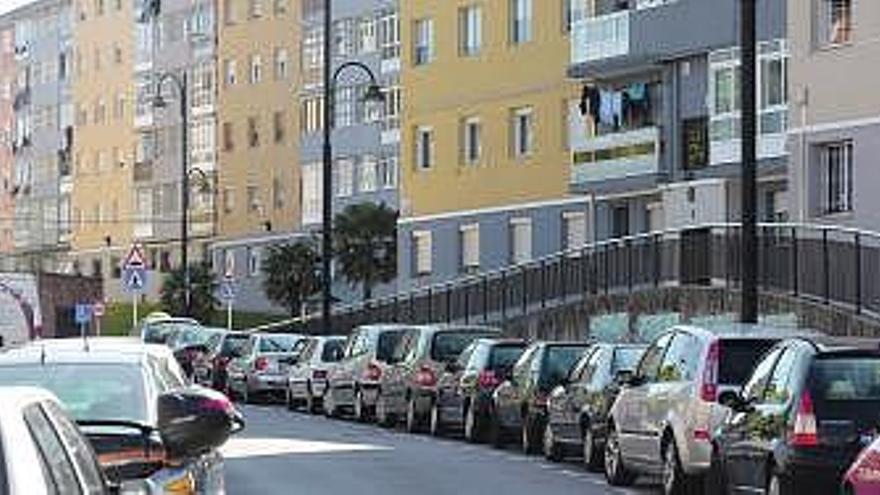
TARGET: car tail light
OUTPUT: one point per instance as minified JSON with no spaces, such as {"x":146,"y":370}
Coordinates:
{"x":261,"y":364}
{"x":488,"y":379}
{"x":373,"y":373}
{"x":426,"y":377}
{"x":219,"y":405}
{"x":319,"y":374}
{"x":701,"y":434}
{"x":709,"y":385}
{"x":805,"y":433}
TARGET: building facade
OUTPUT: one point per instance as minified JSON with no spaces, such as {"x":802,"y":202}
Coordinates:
{"x":43,"y":132}
{"x":656,"y":134}
{"x":485,"y":150}
{"x":7,"y":134}
{"x":834,"y":117}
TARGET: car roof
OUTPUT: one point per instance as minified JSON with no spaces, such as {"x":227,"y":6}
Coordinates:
{"x":502,"y":341}
{"x":446,"y":327}
{"x":173,"y":319}
{"x":15,"y":398}
{"x":381,"y":327}
{"x":97,"y":350}
{"x":744,"y":331}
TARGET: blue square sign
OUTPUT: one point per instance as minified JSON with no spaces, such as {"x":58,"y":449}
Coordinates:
{"x":83,"y":314}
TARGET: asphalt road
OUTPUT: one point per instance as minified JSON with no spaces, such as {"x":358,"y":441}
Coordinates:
{"x":293,"y":453}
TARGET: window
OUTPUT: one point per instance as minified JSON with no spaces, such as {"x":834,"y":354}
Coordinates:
{"x":280,"y":7}
{"x":470,"y":247}
{"x":57,"y":465}
{"x":367,"y":35}
{"x":575,"y":225}
{"x":253,"y":199}
{"x":256,"y":69}
{"x":523,"y":123}
{"x":424,"y":148}
{"x":312,"y":114}
{"x":754,"y":388}
{"x":423,"y":51}
{"x":650,"y":363}
{"x":279,"y":127}
{"x":369,"y":179}
{"x":312,"y":193}
{"x":343,"y":179}
{"x":392,"y":107}
{"x":255,"y":9}
{"x":229,"y":70}
{"x":572,"y":11}
{"x":837,"y":169}
{"x":388,"y":172}
{"x":472,"y":146}
{"x":680,"y":361}
{"x":470,"y":30}
{"x":620,"y":221}
{"x":389,"y":35}
{"x":345,"y":107}
{"x":313,"y":56}
{"x":780,"y":389}
{"x":422,"y":252}
{"x":282,"y":69}
{"x":346,"y":37}
{"x":521,"y":240}
{"x":520,"y":21}
{"x":837,"y":21}
{"x":228,"y":137}
{"x":253,"y":255}
{"x":277,"y":193}
{"x":80,"y":449}
{"x":253,"y":132}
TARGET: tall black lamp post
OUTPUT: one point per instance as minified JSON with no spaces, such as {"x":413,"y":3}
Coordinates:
{"x":373,"y":94}
{"x":750,"y":254}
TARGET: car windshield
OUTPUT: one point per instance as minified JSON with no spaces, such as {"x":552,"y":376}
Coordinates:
{"x":387,"y":343}
{"x":161,"y":332}
{"x":278,"y":343}
{"x":233,"y":345}
{"x":192,"y":335}
{"x":625,"y":358}
{"x":739,"y":357}
{"x":87,"y":391}
{"x":558,"y":363}
{"x":503,"y":356}
{"x":446,"y":346}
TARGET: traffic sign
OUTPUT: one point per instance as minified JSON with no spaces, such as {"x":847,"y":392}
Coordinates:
{"x":229,"y":272}
{"x":98,"y":309}
{"x":135,"y":258}
{"x":227,"y":290}
{"x":83,"y":314}
{"x":134,"y":279}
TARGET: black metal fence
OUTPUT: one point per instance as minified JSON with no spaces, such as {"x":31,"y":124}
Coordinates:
{"x":831,"y":265}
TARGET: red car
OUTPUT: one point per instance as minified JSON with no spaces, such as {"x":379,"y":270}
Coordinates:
{"x":863,"y":478}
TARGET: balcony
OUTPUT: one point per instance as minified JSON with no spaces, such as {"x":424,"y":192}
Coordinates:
{"x":616,"y":156}
{"x":601,"y":37}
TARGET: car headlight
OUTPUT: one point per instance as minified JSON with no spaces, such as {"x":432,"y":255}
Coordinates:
{"x":181,"y":486}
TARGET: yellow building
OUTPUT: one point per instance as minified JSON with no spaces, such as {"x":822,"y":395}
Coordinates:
{"x":258,"y":128}
{"x":101,"y":201}
{"x":485,"y":152}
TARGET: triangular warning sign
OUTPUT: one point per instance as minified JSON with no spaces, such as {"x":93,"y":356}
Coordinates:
{"x":135,"y":258}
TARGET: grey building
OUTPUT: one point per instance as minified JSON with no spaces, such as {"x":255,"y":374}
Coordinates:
{"x":43,"y":132}
{"x":656,"y":135}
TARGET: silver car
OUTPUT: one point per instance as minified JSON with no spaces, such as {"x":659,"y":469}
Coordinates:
{"x":308,"y":370}
{"x":664,"y":416}
{"x":258,"y":370}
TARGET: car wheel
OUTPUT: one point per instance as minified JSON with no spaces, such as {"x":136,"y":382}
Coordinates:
{"x":383,"y":419}
{"x":360,"y":409}
{"x":330,"y":408}
{"x":615,"y":471}
{"x":436,"y":428}
{"x":311,"y":403}
{"x":552,"y":450}
{"x":778,"y":485}
{"x":412,"y":420}
{"x":472,"y":425}
{"x":288,"y":399}
{"x":245,"y":394}
{"x":496,"y":431}
{"x":529,"y":440}
{"x":592,"y":455}
{"x":674,"y":479}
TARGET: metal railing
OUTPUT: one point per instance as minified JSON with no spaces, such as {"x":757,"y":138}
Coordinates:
{"x":826,"y":264}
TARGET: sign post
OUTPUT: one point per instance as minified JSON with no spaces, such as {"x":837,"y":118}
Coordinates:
{"x":134,"y":278}
{"x":82,"y":316}
{"x":227,"y":293}
{"x":98,"y":313}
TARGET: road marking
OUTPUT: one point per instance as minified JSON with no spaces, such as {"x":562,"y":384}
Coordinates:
{"x":237,"y":448}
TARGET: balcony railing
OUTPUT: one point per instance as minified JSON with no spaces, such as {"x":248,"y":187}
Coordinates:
{"x":616,"y":156}
{"x":601,"y":37}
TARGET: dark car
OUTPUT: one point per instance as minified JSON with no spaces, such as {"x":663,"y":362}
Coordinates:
{"x":464,"y":392}
{"x":578,"y":409}
{"x":353,"y":383}
{"x":801,"y":420}
{"x":210,"y":369}
{"x":520,"y":403}
{"x":409,"y":386}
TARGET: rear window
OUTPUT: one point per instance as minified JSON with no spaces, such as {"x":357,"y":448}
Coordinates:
{"x":278,"y":343}
{"x":739,"y":357}
{"x":387,"y":343}
{"x":446,"y":346}
{"x":626,"y":358}
{"x":332,"y":351}
{"x":504,"y":356}
{"x":233,"y":345}
{"x":845,"y":379}
{"x":558,"y":363}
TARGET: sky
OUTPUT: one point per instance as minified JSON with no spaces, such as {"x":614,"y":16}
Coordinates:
{"x":7,"y":5}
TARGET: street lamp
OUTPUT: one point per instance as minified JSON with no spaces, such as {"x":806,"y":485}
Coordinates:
{"x":750,"y":253}
{"x":373,"y":94}
{"x":180,"y":83}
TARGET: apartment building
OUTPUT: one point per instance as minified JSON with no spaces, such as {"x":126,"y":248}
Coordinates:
{"x":656,"y":133}
{"x":485,"y":148}
{"x":175,"y":49}
{"x":834,"y":116}
{"x":7,"y":133}
{"x":42,"y":135}
{"x":104,"y":145}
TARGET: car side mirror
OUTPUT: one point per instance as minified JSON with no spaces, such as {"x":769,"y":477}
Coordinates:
{"x":736,"y":402}
{"x":194,"y":421}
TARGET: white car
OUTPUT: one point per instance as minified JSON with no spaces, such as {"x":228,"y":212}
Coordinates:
{"x":309,"y":368}
{"x":42,"y":452}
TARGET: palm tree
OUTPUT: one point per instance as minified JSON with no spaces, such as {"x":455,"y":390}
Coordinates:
{"x":366,"y":245}
{"x":203,"y":287}
{"x":291,"y":276}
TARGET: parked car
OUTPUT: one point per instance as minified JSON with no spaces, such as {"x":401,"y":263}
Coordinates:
{"x":663,"y":418}
{"x":210,"y":369}
{"x":863,"y":478}
{"x":135,"y":407}
{"x":190,"y":345}
{"x":520,"y":403}
{"x":578,"y":409}
{"x":408,"y":388}
{"x":162,"y":330}
{"x":308,"y":370}
{"x":802,"y":419}
{"x":464,"y":392}
{"x":354,"y":382}
{"x":258,"y":368}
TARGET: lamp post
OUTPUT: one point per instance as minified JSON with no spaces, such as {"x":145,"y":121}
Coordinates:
{"x":180,"y":83}
{"x":374,"y":94}
{"x":750,"y":254}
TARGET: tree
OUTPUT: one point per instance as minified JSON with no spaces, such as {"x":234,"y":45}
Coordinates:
{"x":203,"y":287}
{"x":366,"y":245}
{"x":290,"y":275}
